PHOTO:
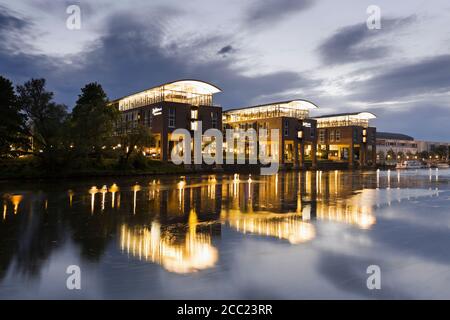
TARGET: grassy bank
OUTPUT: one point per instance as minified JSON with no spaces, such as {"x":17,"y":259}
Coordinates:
{"x":32,"y":168}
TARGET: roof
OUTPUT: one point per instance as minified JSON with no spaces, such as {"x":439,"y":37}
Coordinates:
{"x":360,"y":115}
{"x":297,"y":103}
{"x":394,"y":136}
{"x":197,"y":86}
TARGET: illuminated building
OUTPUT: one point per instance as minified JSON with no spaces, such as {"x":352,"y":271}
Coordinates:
{"x":297,"y":132}
{"x":347,"y":137}
{"x":394,"y":143}
{"x":173,"y":105}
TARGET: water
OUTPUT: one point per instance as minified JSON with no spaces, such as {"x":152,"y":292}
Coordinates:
{"x":292,"y":235}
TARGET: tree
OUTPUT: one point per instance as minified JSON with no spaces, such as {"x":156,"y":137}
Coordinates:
{"x":380,"y":157}
{"x":133,"y":140}
{"x":46,"y":120}
{"x":391,"y":154}
{"x":441,"y":151}
{"x":424,"y":155}
{"x":92,"y":121}
{"x":13,"y":132}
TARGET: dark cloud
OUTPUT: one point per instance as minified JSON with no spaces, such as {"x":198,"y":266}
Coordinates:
{"x":358,"y":43}
{"x":271,"y":11}
{"x":225,"y":50}
{"x":130,"y":56}
{"x":423,"y":121}
{"x":12,"y":28}
{"x":427,"y":76}
{"x":13,"y":61}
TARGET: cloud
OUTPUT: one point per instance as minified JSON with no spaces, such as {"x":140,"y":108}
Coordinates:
{"x":225,"y":50}
{"x":12,"y":29}
{"x":272,"y":11}
{"x":423,"y":121}
{"x":132,"y":55}
{"x":424,"y":77}
{"x":358,"y":43}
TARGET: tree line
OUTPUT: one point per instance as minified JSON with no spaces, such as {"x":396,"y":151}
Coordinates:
{"x":33,"y":125}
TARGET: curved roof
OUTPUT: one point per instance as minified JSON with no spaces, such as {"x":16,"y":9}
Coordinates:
{"x":294,"y":104}
{"x":189,"y":85}
{"x":393,"y":136}
{"x":358,"y":115}
{"x":197,"y":86}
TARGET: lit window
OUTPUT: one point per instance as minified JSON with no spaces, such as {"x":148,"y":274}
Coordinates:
{"x":322,"y":136}
{"x":214,"y":119}
{"x":194,"y":114}
{"x":194,"y":125}
{"x":332,"y":135}
{"x":171,"y":118}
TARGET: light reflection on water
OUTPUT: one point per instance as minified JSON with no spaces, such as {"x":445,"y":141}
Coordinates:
{"x":191,"y":225}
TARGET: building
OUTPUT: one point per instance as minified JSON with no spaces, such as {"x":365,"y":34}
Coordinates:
{"x":297,"y":132}
{"x":431,"y":146}
{"x":347,"y":137}
{"x":164,"y":108}
{"x":343,"y":138}
{"x":393,"y":145}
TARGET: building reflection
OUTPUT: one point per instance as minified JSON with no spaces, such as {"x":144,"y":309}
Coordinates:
{"x":175,"y":221}
{"x":167,"y":248}
{"x":288,"y":227}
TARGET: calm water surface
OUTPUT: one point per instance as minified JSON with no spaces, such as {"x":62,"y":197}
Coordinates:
{"x":288,"y":236}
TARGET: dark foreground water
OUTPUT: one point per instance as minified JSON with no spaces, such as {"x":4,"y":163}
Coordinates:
{"x":293,"y":235}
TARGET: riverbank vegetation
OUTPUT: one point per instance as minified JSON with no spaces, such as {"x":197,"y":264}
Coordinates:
{"x":40,"y":138}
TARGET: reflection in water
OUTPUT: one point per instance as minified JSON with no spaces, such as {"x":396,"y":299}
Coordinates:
{"x":15,"y":200}
{"x":193,"y":254}
{"x":283,"y":226}
{"x":113,"y":190}
{"x":352,"y":211}
{"x":181,"y":223}
{"x":93,"y":191}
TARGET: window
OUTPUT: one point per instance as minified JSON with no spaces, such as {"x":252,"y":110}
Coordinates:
{"x":338,"y":135}
{"x":171,"y":118}
{"x":332,"y":135}
{"x":194,"y":114}
{"x":214,"y":119}
{"x":194,"y":125}
{"x":286,"y":128}
{"x":322,"y":136}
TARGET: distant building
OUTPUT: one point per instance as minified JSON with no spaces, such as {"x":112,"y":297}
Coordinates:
{"x":430,"y":146}
{"x":389,"y":144}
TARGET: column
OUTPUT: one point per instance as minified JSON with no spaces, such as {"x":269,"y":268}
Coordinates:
{"x":296,"y":163}
{"x":301,"y":156}
{"x":164,"y":146}
{"x":314,"y":155}
{"x":374,"y":155}
{"x":351,"y":156}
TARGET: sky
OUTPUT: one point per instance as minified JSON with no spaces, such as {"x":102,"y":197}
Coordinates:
{"x":255,"y":51}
